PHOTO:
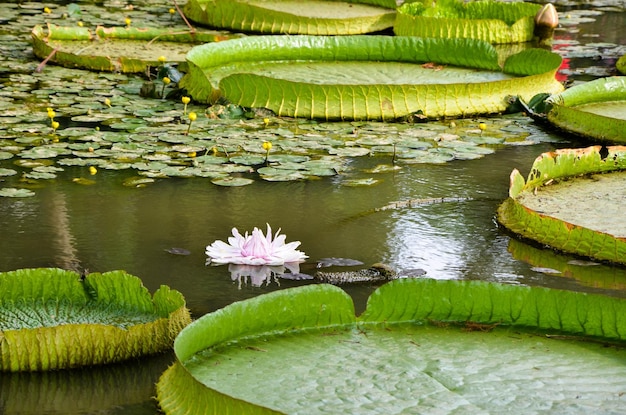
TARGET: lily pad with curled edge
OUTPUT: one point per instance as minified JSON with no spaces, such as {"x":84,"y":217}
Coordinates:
{"x":56,"y":319}
{"x":366,"y":77}
{"x":421,"y":346}
{"x":119,"y":49}
{"x":573,"y":200}
{"x":492,"y":21}
{"x":595,"y":110}
{"x":311,"y":17}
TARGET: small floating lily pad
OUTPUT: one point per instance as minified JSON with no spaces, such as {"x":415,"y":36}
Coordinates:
{"x":13,"y":192}
{"x":232,"y":181}
{"x":294,"y":16}
{"x":492,"y":21}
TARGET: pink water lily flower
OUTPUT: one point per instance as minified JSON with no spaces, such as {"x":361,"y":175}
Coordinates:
{"x":255,"y":249}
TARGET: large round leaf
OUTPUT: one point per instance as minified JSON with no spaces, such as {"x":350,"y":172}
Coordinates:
{"x":562,"y":206}
{"x":596,"y":109}
{"x":54,"y":319}
{"x":313,"y":17}
{"x":123,"y":49}
{"x":366,"y":77}
{"x":422,"y":346}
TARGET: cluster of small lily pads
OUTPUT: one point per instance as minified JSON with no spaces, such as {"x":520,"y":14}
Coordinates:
{"x":102,"y":122}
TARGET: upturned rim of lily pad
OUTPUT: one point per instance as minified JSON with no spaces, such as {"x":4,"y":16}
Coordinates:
{"x":327,"y":310}
{"x":593,"y":110}
{"x":548,"y":170}
{"x":57,"y":319}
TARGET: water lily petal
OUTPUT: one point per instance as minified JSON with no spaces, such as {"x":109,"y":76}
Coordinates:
{"x":255,"y":249}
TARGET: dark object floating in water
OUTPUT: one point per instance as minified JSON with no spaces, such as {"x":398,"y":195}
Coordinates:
{"x":339,"y":262}
{"x":295,"y":277}
{"x":177,"y":251}
{"x":377,"y":273}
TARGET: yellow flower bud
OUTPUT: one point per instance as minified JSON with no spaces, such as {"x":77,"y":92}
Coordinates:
{"x":166,"y":80}
{"x":162,"y":59}
{"x":185,"y":100}
{"x":128,"y":21}
{"x":47,"y":10}
{"x":107,"y":102}
{"x":172,"y":11}
{"x":267,"y":146}
{"x":92,"y":170}
{"x":482,"y":126}
{"x":51,"y":113}
{"x":192,"y":116}
{"x":54,"y":125}
{"x":192,"y":154}
{"x":80,"y":24}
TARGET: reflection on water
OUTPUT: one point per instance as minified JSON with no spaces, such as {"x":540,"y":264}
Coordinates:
{"x":94,"y":390}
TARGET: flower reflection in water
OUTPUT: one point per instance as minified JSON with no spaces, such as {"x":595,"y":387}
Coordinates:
{"x":259,"y":274}
{"x":257,"y":256}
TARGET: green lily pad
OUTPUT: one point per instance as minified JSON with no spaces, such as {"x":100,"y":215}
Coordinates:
{"x":54,"y":319}
{"x":366,"y":77}
{"x":232,"y":181}
{"x":596,"y":110}
{"x":421,"y":345}
{"x":7,"y":172}
{"x":492,"y":21}
{"x":120,"y":49}
{"x":572,"y":201}
{"x":13,"y":192}
{"x":311,"y":17}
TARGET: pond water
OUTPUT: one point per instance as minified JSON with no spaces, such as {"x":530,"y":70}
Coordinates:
{"x":107,"y":226}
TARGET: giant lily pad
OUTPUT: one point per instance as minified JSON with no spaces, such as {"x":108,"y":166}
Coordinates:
{"x":54,"y":319}
{"x":313,"y":17}
{"x":310,"y":353}
{"x":573,"y":200}
{"x":366,"y":77}
{"x":120,"y":49}
{"x":596,"y":109}
{"x":492,"y":21}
